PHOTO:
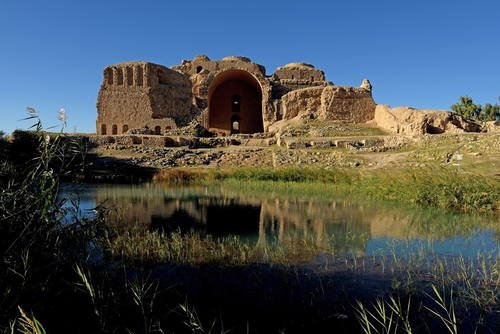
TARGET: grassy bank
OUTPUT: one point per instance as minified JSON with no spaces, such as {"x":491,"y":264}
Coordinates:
{"x":440,"y":188}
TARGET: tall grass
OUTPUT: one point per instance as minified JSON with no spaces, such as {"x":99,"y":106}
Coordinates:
{"x":386,"y":316}
{"x":29,"y":324}
{"x":469,"y":288}
{"x":36,"y":248}
{"x":391,"y":316}
{"x":440,"y":188}
{"x":191,"y":248}
{"x":179,"y":176}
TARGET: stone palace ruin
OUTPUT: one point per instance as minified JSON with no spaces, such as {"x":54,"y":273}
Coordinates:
{"x":236,"y":96}
{"x":232,"y":95}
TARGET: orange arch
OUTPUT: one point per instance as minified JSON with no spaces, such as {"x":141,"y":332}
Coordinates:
{"x":221,"y":97}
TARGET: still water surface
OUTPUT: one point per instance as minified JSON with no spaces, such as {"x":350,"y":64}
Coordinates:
{"x":354,"y":227}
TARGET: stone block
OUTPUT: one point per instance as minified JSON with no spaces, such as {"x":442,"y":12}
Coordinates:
{"x":321,"y":144}
{"x":292,"y":145}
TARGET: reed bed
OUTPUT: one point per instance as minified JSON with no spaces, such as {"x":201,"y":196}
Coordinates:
{"x":193,"y":249}
{"x":454,"y":294}
{"x":441,"y":188}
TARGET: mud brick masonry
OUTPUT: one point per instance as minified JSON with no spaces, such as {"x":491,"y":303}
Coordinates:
{"x":232,"y":95}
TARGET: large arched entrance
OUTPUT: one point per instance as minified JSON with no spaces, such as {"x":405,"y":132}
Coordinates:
{"x":235,"y":103}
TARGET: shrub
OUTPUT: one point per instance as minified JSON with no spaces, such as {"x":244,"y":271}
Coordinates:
{"x":467,"y":108}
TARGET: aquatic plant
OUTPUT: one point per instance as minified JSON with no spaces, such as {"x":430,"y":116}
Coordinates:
{"x":387,"y":316}
{"x":179,"y":248}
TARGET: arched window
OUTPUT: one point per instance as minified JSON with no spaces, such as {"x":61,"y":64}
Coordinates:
{"x":157,"y":130}
{"x":119,"y":76}
{"x":124,"y":128}
{"x":199,"y":69}
{"x":109,"y":76}
{"x":236,"y":103}
{"x":163,"y":78}
{"x":114,"y":129}
{"x":130,"y":75}
{"x":235,"y":124}
{"x":103,"y":129}
{"x":138,"y":75}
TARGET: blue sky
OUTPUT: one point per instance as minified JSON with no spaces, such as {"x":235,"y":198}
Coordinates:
{"x":418,"y":53}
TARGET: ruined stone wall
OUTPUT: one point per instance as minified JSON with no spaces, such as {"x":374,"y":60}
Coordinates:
{"x":171,"y":95}
{"x":139,"y":94}
{"x":204,"y":72}
{"x":290,"y":80}
{"x":302,"y":103}
{"x":295,"y":76}
{"x":330,"y":102}
{"x":348,"y":104}
{"x":203,"y":63}
{"x":299,"y":72}
{"x":120,"y":109}
{"x":411,"y":121}
{"x":201,"y":71}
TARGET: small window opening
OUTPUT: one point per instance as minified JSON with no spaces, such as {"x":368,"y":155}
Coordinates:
{"x":138,"y":75}
{"x":130,"y":76}
{"x":199,"y":69}
{"x":109,"y":76}
{"x":103,"y":129}
{"x":125,"y":128}
{"x":163,"y":78}
{"x":157,"y":130}
{"x":168,"y":128}
{"x":293,"y":77}
{"x":114,"y":129}
{"x":312,"y":79}
{"x":236,"y":103}
{"x":235,"y":124}
{"x":235,"y":127}
{"x":119,"y":76}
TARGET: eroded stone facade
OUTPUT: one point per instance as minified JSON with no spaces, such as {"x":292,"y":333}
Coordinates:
{"x":412,"y":121}
{"x":227,"y":96}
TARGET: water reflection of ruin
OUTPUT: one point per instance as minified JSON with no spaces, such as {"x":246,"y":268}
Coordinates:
{"x":262,"y":220}
{"x":256,"y":220}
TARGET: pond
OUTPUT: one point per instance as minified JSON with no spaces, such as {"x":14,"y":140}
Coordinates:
{"x":352,"y":227}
